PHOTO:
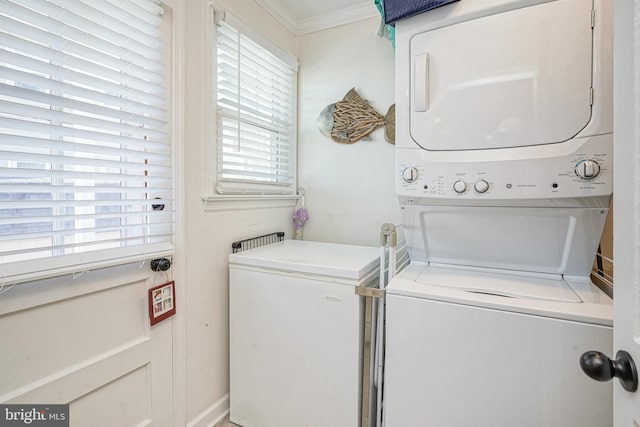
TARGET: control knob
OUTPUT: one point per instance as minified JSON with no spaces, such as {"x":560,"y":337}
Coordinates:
{"x":481,"y":186}
{"x":410,"y":174}
{"x":459,"y":186}
{"x":587,"y":169}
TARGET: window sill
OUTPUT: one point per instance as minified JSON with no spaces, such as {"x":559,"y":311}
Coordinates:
{"x":221,"y":203}
{"x":77,"y":264}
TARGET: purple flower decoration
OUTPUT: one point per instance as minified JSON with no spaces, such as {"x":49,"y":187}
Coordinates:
{"x":300,"y":216}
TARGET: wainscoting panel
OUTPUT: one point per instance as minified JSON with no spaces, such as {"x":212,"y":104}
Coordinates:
{"x":128,"y":404}
{"x":86,"y":341}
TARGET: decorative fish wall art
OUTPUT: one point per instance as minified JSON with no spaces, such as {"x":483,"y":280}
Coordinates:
{"x":353,"y":118}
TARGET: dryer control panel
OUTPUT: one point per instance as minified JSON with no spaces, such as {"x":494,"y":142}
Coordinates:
{"x":582,"y":169}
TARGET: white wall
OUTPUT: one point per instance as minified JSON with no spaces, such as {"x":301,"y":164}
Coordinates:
{"x":99,"y":350}
{"x":209,"y":235}
{"x":87,"y":341}
{"x":349,"y":187}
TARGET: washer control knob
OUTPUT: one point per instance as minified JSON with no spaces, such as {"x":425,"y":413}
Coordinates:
{"x":410,"y":174}
{"x":459,"y":186}
{"x":481,"y":186}
{"x":587,"y":169}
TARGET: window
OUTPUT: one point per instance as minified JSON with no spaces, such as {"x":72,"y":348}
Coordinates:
{"x":85,"y":152}
{"x":256,"y":102}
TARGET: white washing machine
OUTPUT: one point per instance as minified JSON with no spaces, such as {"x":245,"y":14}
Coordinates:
{"x":296,"y":329}
{"x":480,"y":349}
{"x":504,"y":174}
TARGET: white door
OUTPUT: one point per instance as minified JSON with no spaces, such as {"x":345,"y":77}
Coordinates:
{"x":627,"y":200}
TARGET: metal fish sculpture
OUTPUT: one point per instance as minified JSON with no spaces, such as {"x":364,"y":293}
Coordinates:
{"x":353,"y":118}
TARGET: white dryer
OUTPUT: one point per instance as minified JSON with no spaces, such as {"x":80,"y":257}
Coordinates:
{"x":504,"y":174}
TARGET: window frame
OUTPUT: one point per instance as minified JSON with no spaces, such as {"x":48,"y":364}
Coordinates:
{"x":212,"y":199}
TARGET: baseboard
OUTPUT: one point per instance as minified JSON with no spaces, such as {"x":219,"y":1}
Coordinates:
{"x":212,"y":415}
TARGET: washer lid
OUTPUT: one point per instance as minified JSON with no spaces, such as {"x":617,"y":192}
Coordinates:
{"x":301,"y":256}
{"x":503,"y":285}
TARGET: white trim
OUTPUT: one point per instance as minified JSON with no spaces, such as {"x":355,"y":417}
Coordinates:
{"x":281,"y":13}
{"x":221,"y":203}
{"x":78,"y":264}
{"x":213,"y":414}
{"x":179,"y":366}
{"x":332,"y":19}
{"x":210,"y":108}
{"x":336,"y":18}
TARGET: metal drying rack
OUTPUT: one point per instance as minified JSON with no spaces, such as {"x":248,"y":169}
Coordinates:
{"x":256,"y":242}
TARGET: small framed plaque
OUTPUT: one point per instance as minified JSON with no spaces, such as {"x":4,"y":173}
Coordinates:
{"x":162,"y":302}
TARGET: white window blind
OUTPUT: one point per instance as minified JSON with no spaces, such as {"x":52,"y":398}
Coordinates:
{"x":85,"y":155}
{"x":256,"y":100}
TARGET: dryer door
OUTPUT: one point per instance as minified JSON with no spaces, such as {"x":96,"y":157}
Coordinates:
{"x":512,"y":79}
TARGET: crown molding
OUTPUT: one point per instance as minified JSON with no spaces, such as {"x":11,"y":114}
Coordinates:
{"x":278,"y":11}
{"x":339,"y":17}
{"x":342,"y":16}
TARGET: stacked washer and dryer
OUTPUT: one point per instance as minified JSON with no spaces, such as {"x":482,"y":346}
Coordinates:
{"x":504,"y":165}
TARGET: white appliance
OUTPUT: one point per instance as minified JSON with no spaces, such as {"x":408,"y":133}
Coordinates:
{"x":296,"y":329}
{"x":504,"y":173}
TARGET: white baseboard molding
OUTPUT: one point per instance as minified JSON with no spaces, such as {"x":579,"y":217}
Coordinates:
{"x":212,"y":415}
